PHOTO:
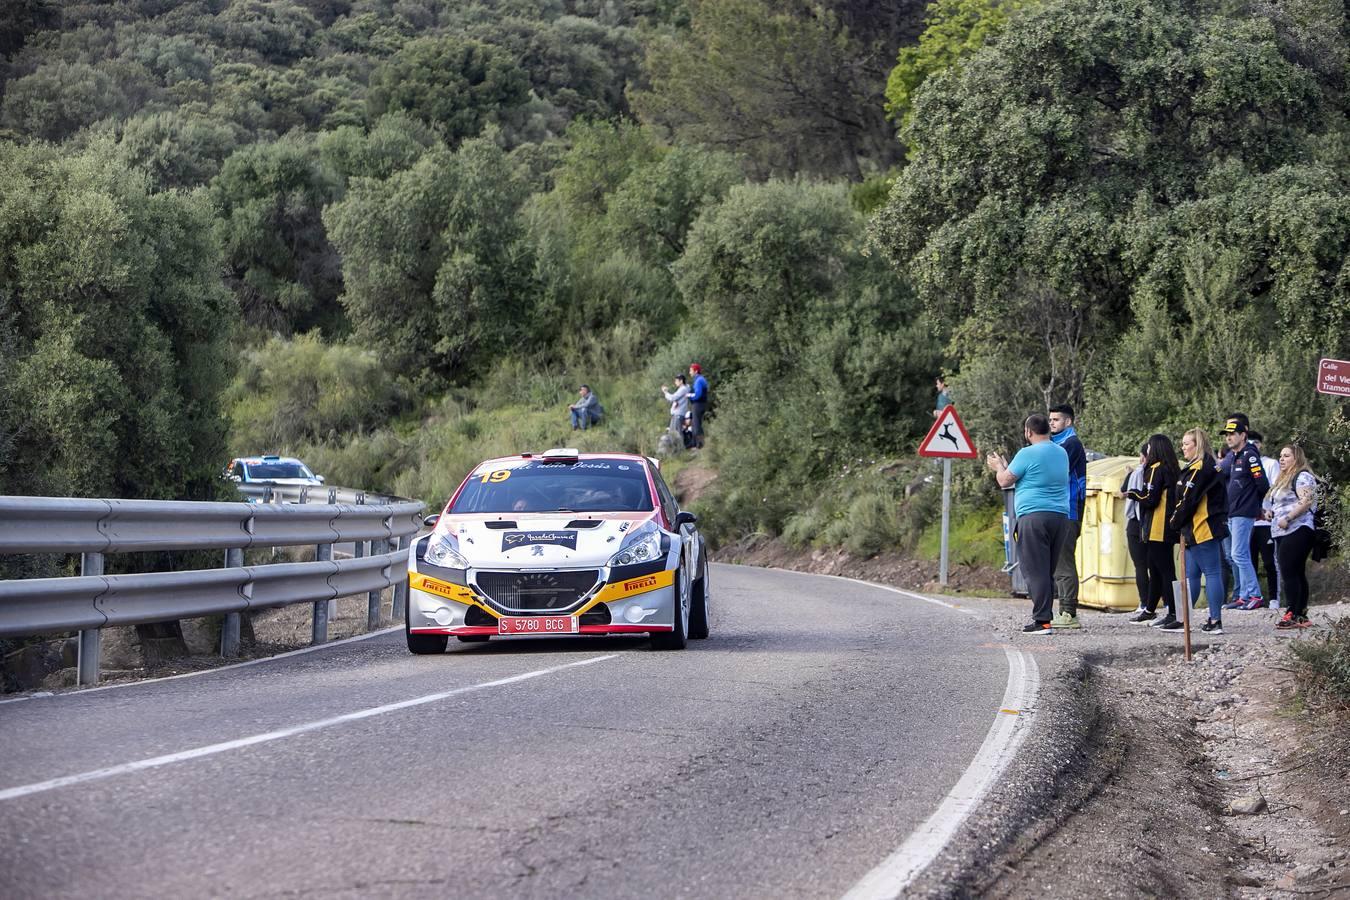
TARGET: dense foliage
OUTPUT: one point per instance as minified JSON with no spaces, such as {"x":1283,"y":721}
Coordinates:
{"x":1139,"y":207}
{"x":402,"y":232}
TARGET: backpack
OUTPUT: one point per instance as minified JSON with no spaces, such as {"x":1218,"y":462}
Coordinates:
{"x":1326,"y":512}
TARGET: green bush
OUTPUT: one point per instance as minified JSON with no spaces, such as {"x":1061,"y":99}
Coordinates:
{"x":294,"y":392}
{"x":1322,"y":666}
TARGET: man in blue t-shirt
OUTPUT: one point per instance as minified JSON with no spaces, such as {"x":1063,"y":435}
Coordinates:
{"x":1040,"y":472}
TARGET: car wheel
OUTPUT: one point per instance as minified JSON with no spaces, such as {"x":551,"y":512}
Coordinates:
{"x":424,"y":644}
{"x":679,"y":637}
{"x":699,"y":614}
{"x":473,"y":638}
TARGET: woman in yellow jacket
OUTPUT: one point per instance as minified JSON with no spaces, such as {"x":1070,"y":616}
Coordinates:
{"x":1157,"y":500}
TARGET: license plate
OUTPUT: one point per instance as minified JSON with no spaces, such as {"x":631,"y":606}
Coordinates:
{"x":537,"y":625}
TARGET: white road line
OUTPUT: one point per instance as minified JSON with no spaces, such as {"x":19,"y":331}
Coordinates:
{"x":212,"y":749}
{"x":80,"y":692}
{"x":1011,"y":724}
{"x":886,"y":587}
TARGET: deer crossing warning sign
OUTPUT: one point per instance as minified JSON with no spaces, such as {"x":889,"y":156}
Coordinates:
{"x":948,"y":439}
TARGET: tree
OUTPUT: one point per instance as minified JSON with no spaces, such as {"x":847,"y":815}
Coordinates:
{"x":178,"y":149}
{"x":278,"y":260}
{"x":436,"y":271}
{"x":788,"y":88}
{"x":1045,"y":166}
{"x":458,"y":85}
{"x":115,"y":326}
{"x":953,"y":29}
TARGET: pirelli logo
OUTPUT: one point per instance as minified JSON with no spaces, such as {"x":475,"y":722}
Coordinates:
{"x":433,"y":586}
{"x":639,"y":584}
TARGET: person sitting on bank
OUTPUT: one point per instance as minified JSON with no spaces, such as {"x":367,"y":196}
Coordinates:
{"x":587,"y":411}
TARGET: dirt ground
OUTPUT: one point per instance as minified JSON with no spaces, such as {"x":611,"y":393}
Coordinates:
{"x":278,"y":630}
{"x":1147,"y":776}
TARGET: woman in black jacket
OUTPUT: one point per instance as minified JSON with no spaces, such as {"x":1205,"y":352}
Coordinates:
{"x":1201,"y":519}
{"x":1156,"y":502}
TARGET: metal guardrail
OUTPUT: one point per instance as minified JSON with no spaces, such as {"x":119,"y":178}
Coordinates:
{"x":288,"y":516}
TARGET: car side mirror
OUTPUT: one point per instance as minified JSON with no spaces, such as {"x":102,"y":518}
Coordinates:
{"x":431,"y":520}
{"x":685,"y":518}
{"x":320,"y":479}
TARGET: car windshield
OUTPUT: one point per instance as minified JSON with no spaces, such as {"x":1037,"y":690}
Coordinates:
{"x":264,"y":471}
{"x":591,"y":485}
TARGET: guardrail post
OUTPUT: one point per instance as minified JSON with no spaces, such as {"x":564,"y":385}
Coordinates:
{"x":229,"y":630}
{"x":319,"y":631}
{"x":91,"y":639}
{"x":400,"y":583}
{"x":373,"y":601}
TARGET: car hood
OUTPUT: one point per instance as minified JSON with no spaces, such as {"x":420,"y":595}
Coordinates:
{"x":562,"y":540}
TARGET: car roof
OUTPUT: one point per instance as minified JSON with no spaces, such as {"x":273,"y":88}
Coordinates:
{"x":255,"y":460}
{"x":500,"y":461}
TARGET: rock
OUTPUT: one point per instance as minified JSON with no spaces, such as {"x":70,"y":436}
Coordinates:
{"x":61,"y":679}
{"x":28,"y":666}
{"x":1247,"y":806}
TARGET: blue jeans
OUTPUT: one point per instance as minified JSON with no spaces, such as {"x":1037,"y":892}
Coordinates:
{"x":583,"y":418}
{"x":1243,"y":570}
{"x":1206,"y":559}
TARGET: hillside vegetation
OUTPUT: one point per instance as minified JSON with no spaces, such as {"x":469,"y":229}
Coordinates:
{"x":393,"y":237}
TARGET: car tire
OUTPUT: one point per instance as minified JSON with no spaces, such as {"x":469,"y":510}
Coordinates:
{"x":473,"y":638}
{"x":424,"y":644}
{"x":678,"y":638}
{"x":699,"y":614}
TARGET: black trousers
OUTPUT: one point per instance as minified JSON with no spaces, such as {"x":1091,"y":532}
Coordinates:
{"x":1293,"y":549}
{"x":1162,"y":571}
{"x":1263,"y":556}
{"x":1040,"y":541}
{"x":698,"y":409}
{"x":1135,"y":542}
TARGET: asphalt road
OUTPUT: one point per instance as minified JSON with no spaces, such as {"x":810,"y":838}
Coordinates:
{"x":783,"y":757}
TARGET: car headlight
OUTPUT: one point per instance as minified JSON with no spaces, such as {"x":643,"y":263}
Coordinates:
{"x":644,"y":549}
{"x":442,"y":553}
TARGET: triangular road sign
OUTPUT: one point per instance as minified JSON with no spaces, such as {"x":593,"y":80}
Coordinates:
{"x":948,"y":438}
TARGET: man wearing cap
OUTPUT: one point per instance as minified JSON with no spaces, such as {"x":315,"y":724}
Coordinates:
{"x":1062,"y":433}
{"x":1247,"y":485}
{"x":698,"y":401}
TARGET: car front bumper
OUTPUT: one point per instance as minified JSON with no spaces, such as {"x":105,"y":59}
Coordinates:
{"x":640,"y":605}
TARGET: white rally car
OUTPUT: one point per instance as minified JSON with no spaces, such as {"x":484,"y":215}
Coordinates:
{"x":560,"y":543}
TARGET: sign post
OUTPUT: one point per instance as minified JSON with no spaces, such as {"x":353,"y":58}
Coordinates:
{"x":1333,"y":377}
{"x":947,"y":440}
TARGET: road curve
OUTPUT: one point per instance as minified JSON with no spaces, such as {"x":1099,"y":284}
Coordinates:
{"x":786,"y":756}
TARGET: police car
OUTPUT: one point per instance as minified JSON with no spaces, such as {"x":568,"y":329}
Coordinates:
{"x":559,"y":544}
{"x":271,"y":470}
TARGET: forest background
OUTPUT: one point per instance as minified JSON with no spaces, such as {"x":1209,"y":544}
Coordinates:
{"x":392,"y":236}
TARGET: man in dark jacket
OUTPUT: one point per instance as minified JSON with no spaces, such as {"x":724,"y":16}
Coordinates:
{"x":1247,"y":485}
{"x":1066,"y":567}
{"x":698,"y":400}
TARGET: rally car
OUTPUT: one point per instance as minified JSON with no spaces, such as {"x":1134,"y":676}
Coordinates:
{"x":560,"y":543}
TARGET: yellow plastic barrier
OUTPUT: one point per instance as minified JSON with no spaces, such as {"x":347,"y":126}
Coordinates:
{"x":1105,"y":571}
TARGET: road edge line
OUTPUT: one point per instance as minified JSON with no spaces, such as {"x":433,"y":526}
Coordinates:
{"x":894,"y":874}
{"x":38,"y":787}
{"x":872,"y":584}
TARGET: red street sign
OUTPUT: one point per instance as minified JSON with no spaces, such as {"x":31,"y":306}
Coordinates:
{"x":948,"y":438}
{"x":1333,"y":377}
